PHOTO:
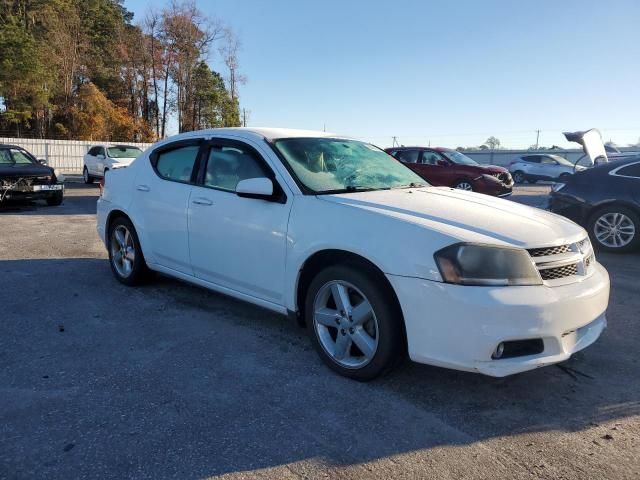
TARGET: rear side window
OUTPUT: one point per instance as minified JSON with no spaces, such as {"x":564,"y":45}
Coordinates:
{"x":408,"y":156}
{"x":632,"y":170}
{"x":5,"y":157}
{"x":177,"y":164}
{"x":93,"y":151}
{"x":532,"y":158}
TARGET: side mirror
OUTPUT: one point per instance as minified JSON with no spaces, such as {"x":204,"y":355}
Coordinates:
{"x":261,"y":187}
{"x":42,"y":161}
{"x":442,"y":163}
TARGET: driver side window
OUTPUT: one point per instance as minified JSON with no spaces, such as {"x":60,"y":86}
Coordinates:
{"x":226,"y":166}
{"x":430,"y":158}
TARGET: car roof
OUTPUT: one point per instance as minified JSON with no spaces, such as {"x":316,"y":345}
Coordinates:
{"x":255,"y":133}
{"x":8,"y":145}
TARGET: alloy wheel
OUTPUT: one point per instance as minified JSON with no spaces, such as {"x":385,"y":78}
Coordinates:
{"x":345,"y":324}
{"x":123,"y":251}
{"x":518,"y":177}
{"x":614,"y":230}
{"x":464,"y":186}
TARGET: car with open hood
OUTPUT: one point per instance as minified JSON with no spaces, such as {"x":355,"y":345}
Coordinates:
{"x":25,"y":178}
{"x":374,"y":261}
{"x":450,"y":168}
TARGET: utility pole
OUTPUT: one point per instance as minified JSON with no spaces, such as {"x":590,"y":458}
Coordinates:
{"x":244,"y":117}
{"x":537,"y":138}
{"x":395,"y":142}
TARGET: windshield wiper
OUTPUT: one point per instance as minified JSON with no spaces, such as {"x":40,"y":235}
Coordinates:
{"x":351,"y":189}
{"x":410,"y":185}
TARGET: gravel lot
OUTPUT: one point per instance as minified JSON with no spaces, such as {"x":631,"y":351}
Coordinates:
{"x":171,"y":381}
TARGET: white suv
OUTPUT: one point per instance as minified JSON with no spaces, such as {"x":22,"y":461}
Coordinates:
{"x":534,"y":167}
{"x":357,"y":247}
{"x":101,"y":158}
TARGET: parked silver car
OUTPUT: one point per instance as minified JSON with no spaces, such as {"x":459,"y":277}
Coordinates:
{"x":539,"y":166}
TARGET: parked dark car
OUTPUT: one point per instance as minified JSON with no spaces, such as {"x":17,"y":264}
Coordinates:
{"x":23,"y":177}
{"x":450,"y":168}
{"x":606,"y":201}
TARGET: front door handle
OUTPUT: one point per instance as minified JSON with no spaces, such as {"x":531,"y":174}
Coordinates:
{"x":143,"y":188}
{"x":202,"y":201}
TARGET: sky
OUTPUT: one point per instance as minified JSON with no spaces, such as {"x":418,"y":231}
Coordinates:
{"x":448,"y":73}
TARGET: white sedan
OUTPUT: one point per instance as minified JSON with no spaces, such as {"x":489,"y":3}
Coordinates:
{"x":102,"y":158}
{"x":358,"y":248}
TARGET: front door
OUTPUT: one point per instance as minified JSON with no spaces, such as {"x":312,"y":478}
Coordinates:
{"x":235,"y":242}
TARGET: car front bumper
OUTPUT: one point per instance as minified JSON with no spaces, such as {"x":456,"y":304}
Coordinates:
{"x":460,"y":327}
{"x":31,"y":192}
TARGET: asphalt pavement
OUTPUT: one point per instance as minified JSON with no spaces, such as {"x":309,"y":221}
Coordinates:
{"x":98,"y":380}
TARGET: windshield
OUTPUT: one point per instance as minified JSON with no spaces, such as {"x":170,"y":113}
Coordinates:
{"x":561,"y":160}
{"x":457,"y":157}
{"x":329,"y":165}
{"x":124,"y":152}
{"x":15,"y":156}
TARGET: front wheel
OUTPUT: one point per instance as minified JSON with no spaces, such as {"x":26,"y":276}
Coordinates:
{"x":615,"y":229}
{"x":463,"y":185}
{"x":354,"y":323}
{"x":88,"y":179}
{"x":518,"y":177}
{"x":125,"y":255}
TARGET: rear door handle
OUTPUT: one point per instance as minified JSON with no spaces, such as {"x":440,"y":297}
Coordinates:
{"x":202,"y":201}
{"x":143,"y":188}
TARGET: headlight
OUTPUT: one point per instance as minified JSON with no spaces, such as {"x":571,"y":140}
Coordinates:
{"x":475,"y":264}
{"x":59,"y":175}
{"x":486,"y":176}
{"x":556,"y":187}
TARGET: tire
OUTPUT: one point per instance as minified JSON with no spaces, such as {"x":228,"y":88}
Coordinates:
{"x":463,"y":184}
{"x":382,"y":330}
{"x":518,"y":177}
{"x":627,"y":224}
{"x":55,"y":200}
{"x":88,"y":179}
{"x":127,"y":270}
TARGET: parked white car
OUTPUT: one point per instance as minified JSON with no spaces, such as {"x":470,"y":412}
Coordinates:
{"x":100,"y":158}
{"x":542,"y":166}
{"x":342,"y":236}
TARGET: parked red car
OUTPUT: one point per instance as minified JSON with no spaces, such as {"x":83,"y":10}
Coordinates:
{"x":450,"y":168}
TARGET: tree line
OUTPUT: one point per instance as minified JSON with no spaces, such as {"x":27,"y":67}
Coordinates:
{"x":81,"y":69}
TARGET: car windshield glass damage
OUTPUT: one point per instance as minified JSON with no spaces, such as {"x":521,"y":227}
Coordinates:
{"x":124,"y":152}
{"x":329,"y":165}
{"x":459,"y":158}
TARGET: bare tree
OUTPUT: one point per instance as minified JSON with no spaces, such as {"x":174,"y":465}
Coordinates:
{"x":229,"y":53}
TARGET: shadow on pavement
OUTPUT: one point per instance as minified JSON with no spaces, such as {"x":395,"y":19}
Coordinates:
{"x":170,"y":380}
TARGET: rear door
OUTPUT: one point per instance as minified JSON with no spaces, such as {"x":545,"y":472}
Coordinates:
{"x":162,"y":201}
{"x":549,"y":168}
{"x":411,"y":158}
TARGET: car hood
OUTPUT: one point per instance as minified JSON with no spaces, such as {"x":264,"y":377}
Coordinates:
{"x":466,"y":216}
{"x":22,"y":170}
{"x":123,"y":161}
{"x":491,"y":169}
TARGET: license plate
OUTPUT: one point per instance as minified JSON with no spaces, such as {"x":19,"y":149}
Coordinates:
{"x":41,"y":188}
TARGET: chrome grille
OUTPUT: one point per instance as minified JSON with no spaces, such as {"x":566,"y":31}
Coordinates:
{"x":563,"y":261}
{"x":559,"y":272}
{"x":543,"y":252}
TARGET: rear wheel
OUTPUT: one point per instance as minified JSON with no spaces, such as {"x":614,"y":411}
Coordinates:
{"x":518,"y":177}
{"x":125,"y":255}
{"x":463,"y":185}
{"x":85,"y":175}
{"x":615,"y":229}
{"x":354,"y":323}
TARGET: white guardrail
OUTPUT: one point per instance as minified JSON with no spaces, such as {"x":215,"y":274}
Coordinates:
{"x":65,"y":155}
